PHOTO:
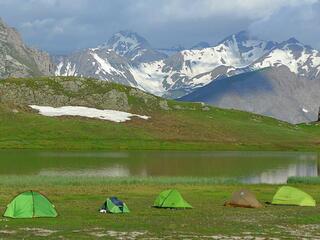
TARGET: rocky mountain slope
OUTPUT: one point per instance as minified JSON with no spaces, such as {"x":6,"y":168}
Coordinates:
{"x":289,"y":90}
{"x":76,"y":91}
{"x":187,"y":70}
{"x":274,"y":91}
{"x":19,"y":60}
{"x":295,"y":72}
{"x":171,"y":76}
{"x":302,"y":60}
{"x":133,"y":47}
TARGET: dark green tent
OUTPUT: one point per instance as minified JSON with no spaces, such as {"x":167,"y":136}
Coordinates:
{"x":171,"y":199}
{"x":30,"y":204}
{"x":114,"y":205}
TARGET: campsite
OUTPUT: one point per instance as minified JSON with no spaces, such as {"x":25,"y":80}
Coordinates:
{"x":78,"y":201}
{"x":78,"y":196}
{"x":160,"y":120}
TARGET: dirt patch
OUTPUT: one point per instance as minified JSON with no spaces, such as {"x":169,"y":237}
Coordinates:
{"x":40,"y":232}
{"x":307,"y":231}
{"x":7,"y":232}
{"x":118,"y":235}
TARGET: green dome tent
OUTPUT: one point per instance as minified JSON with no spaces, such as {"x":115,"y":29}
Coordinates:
{"x":114,"y":205}
{"x":29,"y":205}
{"x":292,"y":196}
{"x":170,"y":199}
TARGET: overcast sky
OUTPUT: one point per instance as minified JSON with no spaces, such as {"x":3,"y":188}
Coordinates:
{"x":61,"y":26}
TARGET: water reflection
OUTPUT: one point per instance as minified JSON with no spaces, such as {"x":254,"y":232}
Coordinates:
{"x":277,"y":176}
{"x":249,"y":167}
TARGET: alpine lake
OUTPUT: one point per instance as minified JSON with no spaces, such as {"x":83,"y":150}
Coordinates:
{"x":246,"y":167}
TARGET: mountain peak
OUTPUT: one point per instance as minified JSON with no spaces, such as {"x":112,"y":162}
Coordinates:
{"x":293,"y":44}
{"x":241,"y":36}
{"x":130,"y":35}
{"x":126,"y":41}
{"x":132,"y":46}
{"x":292,"y":40}
{"x":201,"y":45}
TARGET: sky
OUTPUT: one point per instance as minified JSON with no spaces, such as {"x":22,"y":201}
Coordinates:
{"x":63,"y":26}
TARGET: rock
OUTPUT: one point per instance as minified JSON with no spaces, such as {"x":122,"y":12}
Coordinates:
{"x":178,"y":107}
{"x":18,"y":60}
{"x":164,"y":105}
{"x":58,"y":92}
{"x":140,"y":94}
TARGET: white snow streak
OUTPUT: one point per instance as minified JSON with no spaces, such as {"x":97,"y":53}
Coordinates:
{"x":104,"y":64}
{"x":110,"y":115}
{"x":58,"y":70}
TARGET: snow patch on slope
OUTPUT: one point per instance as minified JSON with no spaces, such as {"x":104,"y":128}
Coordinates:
{"x":58,"y":70}
{"x":295,"y":61}
{"x":104,"y":64}
{"x":69,"y":71}
{"x":149,"y":77}
{"x":110,"y":115}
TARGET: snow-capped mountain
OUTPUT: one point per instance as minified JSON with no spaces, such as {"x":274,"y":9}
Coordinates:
{"x":190,"y":69}
{"x":274,"y":91}
{"x":200,"y":45}
{"x":301,"y":60}
{"x":101,"y":63}
{"x":133,"y":47}
{"x":171,"y":50}
{"x":284,"y":83}
{"x":128,"y":58}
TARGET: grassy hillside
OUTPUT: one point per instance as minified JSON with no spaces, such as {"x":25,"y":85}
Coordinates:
{"x":173,"y":125}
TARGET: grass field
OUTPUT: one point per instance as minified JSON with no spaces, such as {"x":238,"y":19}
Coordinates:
{"x":184,"y":126}
{"x":78,"y":201}
{"x":215,"y":129}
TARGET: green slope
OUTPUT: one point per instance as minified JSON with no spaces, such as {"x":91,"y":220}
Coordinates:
{"x":173,"y":125}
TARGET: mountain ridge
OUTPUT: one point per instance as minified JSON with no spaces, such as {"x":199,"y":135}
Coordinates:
{"x":19,"y":60}
{"x":183,"y":72}
{"x":129,"y":59}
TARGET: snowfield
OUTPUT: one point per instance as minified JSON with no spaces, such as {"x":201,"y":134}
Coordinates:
{"x":109,"y":115}
{"x":127,"y":58}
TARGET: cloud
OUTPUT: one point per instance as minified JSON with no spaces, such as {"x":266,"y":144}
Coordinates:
{"x":302,"y":22}
{"x":61,"y":26}
{"x":197,"y":9}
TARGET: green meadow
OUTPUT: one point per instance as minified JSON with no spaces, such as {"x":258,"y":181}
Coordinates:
{"x":177,"y":126}
{"x":182,"y":126}
{"x":77,"y":201}
{"x":215,"y":129}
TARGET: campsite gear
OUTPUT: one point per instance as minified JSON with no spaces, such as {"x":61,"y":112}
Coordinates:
{"x":30,"y":204}
{"x":170,"y":199}
{"x":243,"y":198}
{"x":114,"y":205}
{"x":292,"y":196}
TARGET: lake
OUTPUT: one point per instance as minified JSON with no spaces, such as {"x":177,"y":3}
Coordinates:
{"x":248,"y":167}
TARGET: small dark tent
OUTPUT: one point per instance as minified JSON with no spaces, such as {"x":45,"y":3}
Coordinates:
{"x":243,"y":198}
{"x":30,"y":204}
{"x":171,"y":199}
{"x":114,"y":205}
